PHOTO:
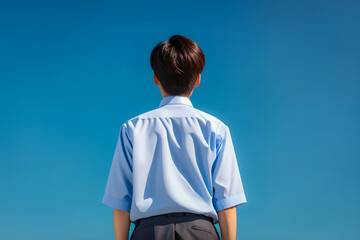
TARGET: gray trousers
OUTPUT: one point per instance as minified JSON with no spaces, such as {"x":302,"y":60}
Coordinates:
{"x":175,"y":226}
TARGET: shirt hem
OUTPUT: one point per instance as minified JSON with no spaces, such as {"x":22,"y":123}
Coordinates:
{"x":228,"y":202}
{"x":116,"y":203}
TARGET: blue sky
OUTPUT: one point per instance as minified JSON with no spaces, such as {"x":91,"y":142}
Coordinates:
{"x":283,"y":75}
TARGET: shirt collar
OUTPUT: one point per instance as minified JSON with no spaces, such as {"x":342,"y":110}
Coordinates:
{"x":175,"y":99}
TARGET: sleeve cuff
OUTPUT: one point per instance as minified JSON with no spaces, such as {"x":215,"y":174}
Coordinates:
{"x":120,"y":204}
{"x":220,"y":204}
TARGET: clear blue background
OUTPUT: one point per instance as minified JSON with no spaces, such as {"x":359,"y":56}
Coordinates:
{"x":283,"y":75}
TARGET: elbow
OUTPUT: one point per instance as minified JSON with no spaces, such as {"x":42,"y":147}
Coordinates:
{"x":227,"y":210}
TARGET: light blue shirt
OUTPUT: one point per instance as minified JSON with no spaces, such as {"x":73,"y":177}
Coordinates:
{"x":175,"y":158}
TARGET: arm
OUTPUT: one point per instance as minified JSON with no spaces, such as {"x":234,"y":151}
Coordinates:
{"x":228,"y":190}
{"x":119,"y":190}
{"x":121,"y":224}
{"x":227,"y":222}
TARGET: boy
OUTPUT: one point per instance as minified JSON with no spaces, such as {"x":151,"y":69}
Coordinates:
{"x":174,"y":173}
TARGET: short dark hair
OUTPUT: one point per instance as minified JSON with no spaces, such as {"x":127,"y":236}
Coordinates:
{"x":177,"y":63}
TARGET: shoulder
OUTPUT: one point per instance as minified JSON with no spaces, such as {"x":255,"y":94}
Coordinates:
{"x":219,"y":124}
{"x":220,"y":130}
{"x":132,"y":122}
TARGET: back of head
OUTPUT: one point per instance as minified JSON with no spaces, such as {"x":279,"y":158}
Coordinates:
{"x":177,"y":63}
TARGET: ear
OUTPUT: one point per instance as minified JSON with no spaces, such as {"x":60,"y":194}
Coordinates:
{"x":197,"y":83}
{"x":156,"y":80}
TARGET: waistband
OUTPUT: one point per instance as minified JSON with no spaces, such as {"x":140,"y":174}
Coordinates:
{"x":177,"y":214}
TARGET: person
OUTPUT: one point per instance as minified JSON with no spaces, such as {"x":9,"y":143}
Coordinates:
{"x":174,"y":173}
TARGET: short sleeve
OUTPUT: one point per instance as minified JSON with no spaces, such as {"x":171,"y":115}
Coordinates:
{"x":118,"y":192}
{"x":227,"y":185}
